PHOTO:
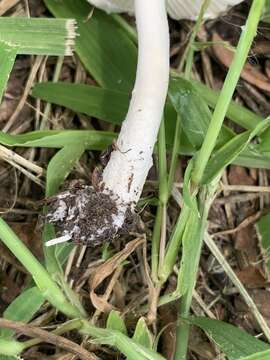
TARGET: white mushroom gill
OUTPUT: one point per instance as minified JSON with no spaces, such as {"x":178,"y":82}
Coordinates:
{"x":177,"y":9}
{"x":129,"y":164}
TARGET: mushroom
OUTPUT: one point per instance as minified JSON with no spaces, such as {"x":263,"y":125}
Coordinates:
{"x":177,"y":9}
{"x":92,"y":215}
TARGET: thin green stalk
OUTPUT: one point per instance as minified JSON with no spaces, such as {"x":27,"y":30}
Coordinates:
{"x":44,"y":282}
{"x":173,"y":245}
{"x":155,"y":244}
{"x":182,"y":332}
{"x":163,"y":199}
{"x":247,"y":36}
{"x":162,"y":165}
{"x":189,"y":51}
{"x":175,"y":154}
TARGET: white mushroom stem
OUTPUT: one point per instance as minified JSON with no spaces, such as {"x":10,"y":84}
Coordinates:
{"x":127,"y":169}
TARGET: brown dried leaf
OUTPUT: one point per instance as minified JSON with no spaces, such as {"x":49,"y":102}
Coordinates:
{"x":251,"y":277}
{"x":239,"y":176}
{"x":249,"y":72}
{"x":105,"y":270}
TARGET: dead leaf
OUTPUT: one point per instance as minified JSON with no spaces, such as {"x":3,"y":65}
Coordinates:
{"x":239,"y":176}
{"x":249,"y":72}
{"x":251,"y":277}
{"x":105,"y":270}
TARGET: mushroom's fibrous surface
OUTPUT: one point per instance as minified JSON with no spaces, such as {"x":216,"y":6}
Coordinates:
{"x":177,"y":9}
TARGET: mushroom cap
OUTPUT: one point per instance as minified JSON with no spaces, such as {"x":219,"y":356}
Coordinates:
{"x":177,"y":9}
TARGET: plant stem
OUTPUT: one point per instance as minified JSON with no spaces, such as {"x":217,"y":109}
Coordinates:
{"x":247,"y":36}
{"x":175,"y":154}
{"x":182,"y":332}
{"x":44,"y":282}
{"x":173,"y":245}
{"x":189,"y":51}
{"x":163,"y":199}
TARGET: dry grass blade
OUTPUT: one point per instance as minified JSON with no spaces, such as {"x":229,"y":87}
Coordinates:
{"x":6,"y":5}
{"x":234,"y":279}
{"x":106,"y":269}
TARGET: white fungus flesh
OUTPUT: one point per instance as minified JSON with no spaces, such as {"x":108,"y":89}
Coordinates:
{"x":129,"y":164}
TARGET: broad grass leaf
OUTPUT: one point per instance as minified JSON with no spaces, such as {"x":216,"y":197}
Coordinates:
{"x":104,"y":104}
{"x":262,"y":355}
{"x":237,"y":113}
{"x":235,"y":343}
{"x":7,"y":59}
{"x":91,"y":139}
{"x":190,"y":242}
{"x":23,"y":308}
{"x":115,"y":322}
{"x":61,"y":165}
{"x":194,"y":112}
{"x":142,"y":334}
{"x":103,"y":46}
{"x":39,"y":35}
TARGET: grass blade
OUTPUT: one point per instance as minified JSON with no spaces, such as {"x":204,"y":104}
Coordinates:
{"x":235,"y":343}
{"x":94,"y":101}
{"x":227,"y":153}
{"x":194,"y":112}
{"x":103,"y":46}
{"x":39,"y":36}
{"x":23,"y":308}
{"x":91,"y":139}
{"x":115,"y":322}
{"x":7,"y":59}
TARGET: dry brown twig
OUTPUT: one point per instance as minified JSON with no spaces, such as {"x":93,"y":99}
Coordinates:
{"x":48,"y":337}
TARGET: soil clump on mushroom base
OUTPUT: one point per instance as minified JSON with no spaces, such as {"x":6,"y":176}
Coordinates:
{"x":83,"y":213}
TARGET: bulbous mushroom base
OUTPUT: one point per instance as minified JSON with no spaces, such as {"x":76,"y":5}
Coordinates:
{"x":87,"y":216}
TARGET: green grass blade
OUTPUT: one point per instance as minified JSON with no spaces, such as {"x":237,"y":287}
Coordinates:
{"x":262,"y":355}
{"x":115,"y":322}
{"x":10,"y":347}
{"x":103,"y":46}
{"x":237,"y":113}
{"x":235,"y":343}
{"x":227,"y":153}
{"x":263,"y":230}
{"x":46,"y":285}
{"x":142,"y":334}
{"x":38,"y":36}
{"x":91,"y":139}
{"x":23,"y":308}
{"x":94,"y":101}
{"x":246,"y":39}
{"x":194,"y":112}
{"x":7,"y":59}
{"x":61,"y":165}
